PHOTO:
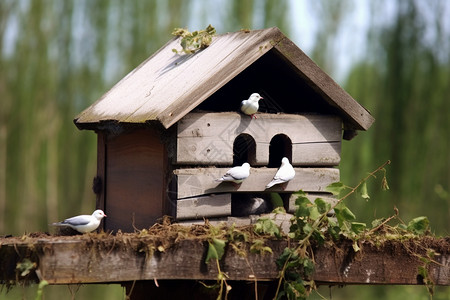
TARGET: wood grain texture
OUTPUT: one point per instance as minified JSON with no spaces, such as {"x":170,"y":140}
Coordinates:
{"x":201,"y":181}
{"x":135,"y":184}
{"x":101,"y":171}
{"x":167,"y":86}
{"x":202,"y":207}
{"x":108,"y":260}
{"x":207,"y":138}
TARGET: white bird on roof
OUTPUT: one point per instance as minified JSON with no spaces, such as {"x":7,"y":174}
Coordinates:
{"x":236,"y":174}
{"x":83,"y":223}
{"x":285,"y":173}
{"x":251,"y":105}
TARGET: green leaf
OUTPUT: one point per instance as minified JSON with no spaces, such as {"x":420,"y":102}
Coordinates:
{"x":308,"y":266}
{"x":334,"y":232}
{"x":363,"y":191}
{"x":403,"y":226}
{"x":314,"y":213}
{"x":301,"y":200}
{"x":287,"y":253}
{"x":335,"y":188}
{"x":418,"y":225}
{"x":318,"y":236}
{"x":343,"y":213}
{"x":308,"y":228}
{"x":358,"y":227}
{"x":216,"y":249}
{"x":355,"y":246}
{"x":267,"y":226}
{"x":322,"y":205}
{"x":377,"y":222}
{"x":258,"y":247}
{"x":276,"y":200}
{"x":25,"y":267}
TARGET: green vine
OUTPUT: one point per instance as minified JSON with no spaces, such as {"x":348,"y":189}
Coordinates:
{"x":314,"y":223}
{"x":310,"y":223}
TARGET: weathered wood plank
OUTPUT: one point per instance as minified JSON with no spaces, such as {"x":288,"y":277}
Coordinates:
{"x":227,"y":125}
{"x":211,"y":151}
{"x":116,"y":260}
{"x":101,"y":171}
{"x":206,"y":206}
{"x":208,"y":138}
{"x":135,"y":180}
{"x":201,"y":181}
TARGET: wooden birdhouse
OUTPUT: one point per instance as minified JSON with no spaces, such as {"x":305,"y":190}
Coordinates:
{"x":172,"y":126}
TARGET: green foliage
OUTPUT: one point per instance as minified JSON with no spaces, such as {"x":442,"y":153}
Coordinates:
{"x":216,"y":249}
{"x":267,"y":226}
{"x":40,"y":290}
{"x":418,"y":225}
{"x":311,"y":221}
{"x":259,"y":247}
{"x":25,"y":267}
{"x":194,"y":41}
{"x":276,"y":200}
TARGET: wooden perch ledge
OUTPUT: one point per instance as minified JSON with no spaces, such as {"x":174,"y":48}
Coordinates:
{"x":102,"y":258}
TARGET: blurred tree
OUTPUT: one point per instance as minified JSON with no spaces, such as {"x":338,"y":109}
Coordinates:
{"x":403,"y":80}
{"x":57,"y":57}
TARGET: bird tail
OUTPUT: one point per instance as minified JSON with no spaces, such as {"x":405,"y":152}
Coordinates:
{"x":59,"y":224}
{"x":270,"y":184}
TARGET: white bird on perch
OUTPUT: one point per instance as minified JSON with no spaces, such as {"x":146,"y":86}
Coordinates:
{"x":236,"y":174}
{"x":251,"y":105}
{"x":285,"y":173}
{"x":83,"y":223}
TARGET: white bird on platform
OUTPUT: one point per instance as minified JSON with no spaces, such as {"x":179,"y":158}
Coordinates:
{"x":236,"y":174}
{"x":285,"y":173}
{"x":83,"y":223}
{"x":251,"y":105}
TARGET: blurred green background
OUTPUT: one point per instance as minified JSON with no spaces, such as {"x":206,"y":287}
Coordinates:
{"x":58,"y":57}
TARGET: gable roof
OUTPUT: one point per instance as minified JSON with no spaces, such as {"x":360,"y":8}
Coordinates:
{"x":167,"y":86}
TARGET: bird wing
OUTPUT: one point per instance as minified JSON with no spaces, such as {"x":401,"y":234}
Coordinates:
{"x":237,"y":173}
{"x":283,"y":175}
{"x":77,"y":221}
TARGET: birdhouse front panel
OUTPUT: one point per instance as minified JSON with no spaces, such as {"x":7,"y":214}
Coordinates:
{"x":213,"y":139}
{"x":211,"y":143}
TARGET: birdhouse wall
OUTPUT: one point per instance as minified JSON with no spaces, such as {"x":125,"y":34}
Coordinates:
{"x":132,"y":166}
{"x":208,"y":138}
{"x":207,"y":145}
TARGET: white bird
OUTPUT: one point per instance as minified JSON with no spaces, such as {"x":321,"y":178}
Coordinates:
{"x":83,"y":223}
{"x":251,"y":105}
{"x":236,"y":174}
{"x":285,"y":173}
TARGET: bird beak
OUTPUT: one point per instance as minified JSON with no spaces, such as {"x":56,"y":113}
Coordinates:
{"x":104,"y":215}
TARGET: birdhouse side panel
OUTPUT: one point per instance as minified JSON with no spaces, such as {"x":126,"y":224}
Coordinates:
{"x":135,"y":180}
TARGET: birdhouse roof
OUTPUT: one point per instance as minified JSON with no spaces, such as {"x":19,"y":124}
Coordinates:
{"x":167,"y":85}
